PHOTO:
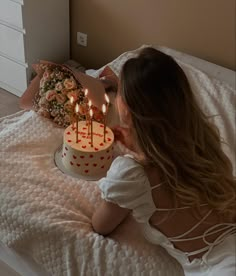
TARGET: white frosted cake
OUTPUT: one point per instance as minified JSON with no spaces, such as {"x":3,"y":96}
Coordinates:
{"x":83,"y":159}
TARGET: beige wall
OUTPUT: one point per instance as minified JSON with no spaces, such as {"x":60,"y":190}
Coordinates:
{"x":203,"y":28}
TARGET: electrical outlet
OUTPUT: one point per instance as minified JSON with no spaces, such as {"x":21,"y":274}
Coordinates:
{"x":82,"y":39}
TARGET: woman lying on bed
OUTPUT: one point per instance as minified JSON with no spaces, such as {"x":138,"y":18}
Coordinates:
{"x":177,"y":182}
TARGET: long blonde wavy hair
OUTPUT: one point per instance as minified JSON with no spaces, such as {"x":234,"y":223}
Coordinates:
{"x":174,"y":134}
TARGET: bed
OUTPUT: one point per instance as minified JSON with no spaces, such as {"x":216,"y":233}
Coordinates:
{"x":45,"y":216}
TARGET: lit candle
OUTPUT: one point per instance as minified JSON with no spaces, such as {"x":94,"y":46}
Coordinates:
{"x":89,"y":103}
{"x":77,"y":121}
{"x":107,"y":100}
{"x":72,"y":116}
{"x":104,"y":110}
{"x":86,"y":92}
{"x":71,"y":99}
{"x":87,"y":119}
{"x":91,"y":117}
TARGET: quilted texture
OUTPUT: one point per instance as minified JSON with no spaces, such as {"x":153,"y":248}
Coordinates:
{"x":48,"y":214}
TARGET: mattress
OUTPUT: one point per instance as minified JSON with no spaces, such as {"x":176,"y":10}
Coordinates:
{"x":46,"y":227}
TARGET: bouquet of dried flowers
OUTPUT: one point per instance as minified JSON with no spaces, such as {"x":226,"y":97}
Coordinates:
{"x":53,"y":100}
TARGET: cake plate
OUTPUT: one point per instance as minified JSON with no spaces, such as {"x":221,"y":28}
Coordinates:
{"x":61,"y":167}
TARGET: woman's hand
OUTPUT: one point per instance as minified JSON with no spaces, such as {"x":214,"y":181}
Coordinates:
{"x":109,"y":79}
{"x":108,"y":84}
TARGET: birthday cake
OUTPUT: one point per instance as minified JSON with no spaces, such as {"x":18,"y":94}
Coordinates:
{"x":89,"y":156}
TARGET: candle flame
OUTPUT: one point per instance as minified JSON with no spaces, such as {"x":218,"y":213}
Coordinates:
{"x":91,"y":113}
{"x":76,"y":108}
{"x":71,"y":99}
{"x":86,"y":92}
{"x":90,"y":103}
{"x":107,"y":98}
{"x":104,"y":109}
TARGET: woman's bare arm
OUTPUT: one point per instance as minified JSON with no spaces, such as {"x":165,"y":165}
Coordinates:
{"x":107,"y":217}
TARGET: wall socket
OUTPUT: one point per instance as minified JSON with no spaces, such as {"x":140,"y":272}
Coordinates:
{"x":82,"y":39}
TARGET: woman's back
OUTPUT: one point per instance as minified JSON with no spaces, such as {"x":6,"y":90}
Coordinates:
{"x":166,"y":129}
{"x":174,"y":223}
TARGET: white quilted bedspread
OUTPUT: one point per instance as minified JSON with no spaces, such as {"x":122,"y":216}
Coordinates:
{"x":48,"y":214}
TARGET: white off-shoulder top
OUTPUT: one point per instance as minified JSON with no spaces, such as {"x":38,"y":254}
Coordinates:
{"x":127,"y":185}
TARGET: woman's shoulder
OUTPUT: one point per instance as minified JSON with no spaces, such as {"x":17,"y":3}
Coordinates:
{"x":126,"y":166}
{"x":127,"y":159}
{"x":126,"y":181}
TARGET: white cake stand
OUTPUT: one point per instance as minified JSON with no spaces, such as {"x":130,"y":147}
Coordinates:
{"x":61,"y":167}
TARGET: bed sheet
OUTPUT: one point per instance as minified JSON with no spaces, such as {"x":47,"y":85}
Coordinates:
{"x":16,"y":264}
{"x":47,"y":215}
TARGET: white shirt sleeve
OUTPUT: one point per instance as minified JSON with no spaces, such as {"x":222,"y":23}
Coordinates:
{"x":127,"y":185}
